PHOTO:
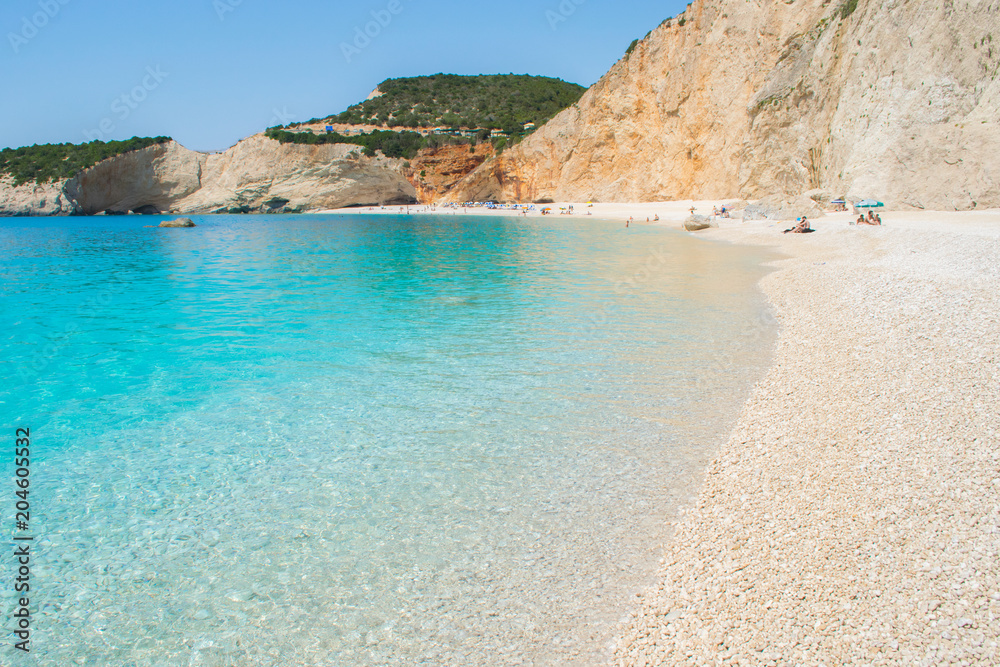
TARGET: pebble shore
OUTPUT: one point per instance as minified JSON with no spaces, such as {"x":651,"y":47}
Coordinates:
{"x":853,"y":517}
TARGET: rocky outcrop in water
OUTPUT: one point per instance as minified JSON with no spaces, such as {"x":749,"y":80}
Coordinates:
{"x":896,"y":99}
{"x":179,"y":222}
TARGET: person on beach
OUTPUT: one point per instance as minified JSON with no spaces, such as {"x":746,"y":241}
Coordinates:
{"x":801,"y":226}
{"x":656,"y":218}
{"x":628,"y":222}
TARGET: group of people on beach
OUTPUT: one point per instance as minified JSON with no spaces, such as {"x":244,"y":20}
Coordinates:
{"x":872,"y":219}
{"x":656,"y":218}
{"x":802,"y":224}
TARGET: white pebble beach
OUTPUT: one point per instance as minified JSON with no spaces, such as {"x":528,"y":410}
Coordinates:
{"x":853,"y":516}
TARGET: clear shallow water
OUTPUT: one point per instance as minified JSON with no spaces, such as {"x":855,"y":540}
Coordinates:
{"x":359,"y":441}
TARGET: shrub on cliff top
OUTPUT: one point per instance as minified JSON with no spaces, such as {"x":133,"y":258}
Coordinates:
{"x":392,"y":144}
{"x":53,"y":162}
{"x":451,"y":100}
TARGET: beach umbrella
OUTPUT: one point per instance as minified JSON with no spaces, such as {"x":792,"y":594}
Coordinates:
{"x":868,"y":203}
{"x":838,"y":201}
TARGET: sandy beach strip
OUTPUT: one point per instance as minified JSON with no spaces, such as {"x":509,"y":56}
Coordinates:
{"x":853,"y":517}
{"x":671,"y":213}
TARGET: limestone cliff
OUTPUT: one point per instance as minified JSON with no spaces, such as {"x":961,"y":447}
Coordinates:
{"x":896,"y":99}
{"x":256,"y":175}
{"x":31,"y":199}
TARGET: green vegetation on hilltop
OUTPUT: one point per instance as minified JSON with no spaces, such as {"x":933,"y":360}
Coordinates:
{"x":53,"y":162}
{"x":392,"y":144}
{"x":504,"y":101}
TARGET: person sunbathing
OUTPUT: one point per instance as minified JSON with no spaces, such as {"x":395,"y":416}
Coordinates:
{"x":801,"y":226}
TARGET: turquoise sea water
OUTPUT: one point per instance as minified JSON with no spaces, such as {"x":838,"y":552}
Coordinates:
{"x":354,"y":440}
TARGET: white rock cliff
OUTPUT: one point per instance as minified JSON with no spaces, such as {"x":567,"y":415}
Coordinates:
{"x":257,"y":174}
{"x":32,"y":199}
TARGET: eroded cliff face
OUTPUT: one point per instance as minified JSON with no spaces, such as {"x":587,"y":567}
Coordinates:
{"x":31,"y":199}
{"x":434,"y":172}
{"x":256,"y":175}
{"x":155,"y":178}
{"x":897,"y":99}
{"x":260,"y":173}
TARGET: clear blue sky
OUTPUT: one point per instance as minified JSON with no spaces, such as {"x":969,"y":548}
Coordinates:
{"x":210,"y":72}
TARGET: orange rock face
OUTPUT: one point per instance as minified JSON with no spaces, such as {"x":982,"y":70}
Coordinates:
{"x":435,"y":171}
{"x":733,"y":99}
